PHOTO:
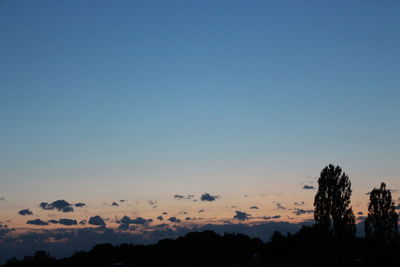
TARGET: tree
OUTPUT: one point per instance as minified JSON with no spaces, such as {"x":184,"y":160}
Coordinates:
{"x":382,"y":222}
{"x":333,"y":213}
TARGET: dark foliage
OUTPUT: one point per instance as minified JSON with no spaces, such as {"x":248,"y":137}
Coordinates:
{"x":381,"y":224}
{"x":305,"y":248}
{"x":333,"y":214}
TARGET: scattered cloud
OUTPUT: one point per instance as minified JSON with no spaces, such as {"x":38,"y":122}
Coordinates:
{"x":188,"y":219}
{"x":360,"y":213}
{"x":254,"y":208}
{"x":188,"y":197}
{"x":4,"y":230}
{"x":164,"y":213}
{"x":301,"y":203}
{"x":299,"y":212}
{"x":83,"y":222}
{"x":67,"y":222}
{"x":241,"y":215}
{"x":2,"y":198}
{"x":37,"y":222}
{"x":208,"y":197}
{"x":25,"y":212}
{"x":271,"y":217}
{"x":308,"y":187}
{"x":80,"y":205}
{"x":174,"y":220}
{"x":122,"y":200}
{"x":138,"y":220}
{"x":279,"y":206}
{"x":114,"y":204}
{"x":200,"y":211}
{"x":97,"y":220}
{"x":160,"y":218}
{"x":60,"y":205}
{"x":152,"y":202}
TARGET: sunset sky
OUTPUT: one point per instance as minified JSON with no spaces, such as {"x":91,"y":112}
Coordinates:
{"x":102,"y":101}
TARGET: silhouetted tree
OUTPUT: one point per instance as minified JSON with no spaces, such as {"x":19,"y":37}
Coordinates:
{"x":382,"y":222}
{"x":333,"y":213}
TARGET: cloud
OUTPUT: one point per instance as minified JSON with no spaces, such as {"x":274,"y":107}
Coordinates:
{"x":4,"y":230}
{"x":25,"y":212}
{"x":152,"y":203}
{"x":241,"y":215}
{"x":115,"y":204}
{"x":161,"y":225}
{"x":126,"y":227}
{"x":160,"y":218}
{"x":189,"y":197}
{"x":67,"y":222}
{"x":271,"y":217}
{"x":60,"y":205}
{"x":125,"y":222}
{"x":97,"y":220}
{"x":308,"y":187}
{"x":299,"y":212}
{"x":80,"y":205}
{"x":138,"y":220}
{"x":208,"y":197}
{"x":37,"y":222}
{"x":279,"y":206}
{"x":254,"y":208}
{"x":174,"y":220}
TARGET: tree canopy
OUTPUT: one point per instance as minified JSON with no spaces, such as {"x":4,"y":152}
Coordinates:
{"x":382,"y":222}
{"x":333,"y":213}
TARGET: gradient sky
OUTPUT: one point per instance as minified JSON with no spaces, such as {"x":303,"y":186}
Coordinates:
{"x":142,"y":100}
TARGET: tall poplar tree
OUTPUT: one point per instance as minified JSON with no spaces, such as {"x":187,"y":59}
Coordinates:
{"x":333,"y":213}
{"x":382,"y":222}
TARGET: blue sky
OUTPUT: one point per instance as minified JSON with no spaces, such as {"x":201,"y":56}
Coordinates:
{"x":101,"y":100}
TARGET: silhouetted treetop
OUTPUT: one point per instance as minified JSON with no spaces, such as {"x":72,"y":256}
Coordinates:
{"x":382,"y":222}
{"x":333,"y":213}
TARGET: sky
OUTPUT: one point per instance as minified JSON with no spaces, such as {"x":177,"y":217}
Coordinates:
{"x":102,"y":101}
